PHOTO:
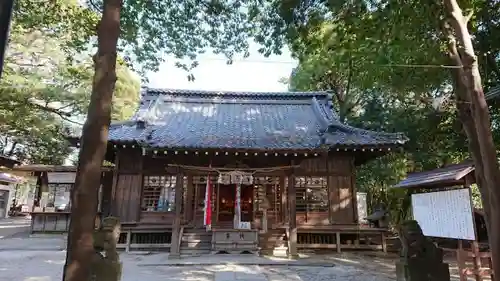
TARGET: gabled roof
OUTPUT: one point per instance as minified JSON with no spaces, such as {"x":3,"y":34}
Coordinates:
{"x":244,"y":120}
{"x":445,"y":177}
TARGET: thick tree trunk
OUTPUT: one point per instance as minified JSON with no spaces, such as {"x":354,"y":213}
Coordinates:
{"x":93,"y":147}
{"x":464,"y":108}
{"x":484,"y":151}
{"x":6,"y":7}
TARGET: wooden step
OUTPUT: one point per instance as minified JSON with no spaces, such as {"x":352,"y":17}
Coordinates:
{"x":195,"y":244}
{"x":201,"y":246}
{"x":196,"y":239}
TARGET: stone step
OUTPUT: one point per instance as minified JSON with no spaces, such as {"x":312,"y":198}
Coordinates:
{"x":195,"y":245}
{"x":191,"y":253}
{"x":196,"y":239}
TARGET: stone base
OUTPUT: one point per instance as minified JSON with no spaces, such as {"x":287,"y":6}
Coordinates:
{"x":280,"y":252}
{"x":420,"y":270}
{"x":174,"y":256}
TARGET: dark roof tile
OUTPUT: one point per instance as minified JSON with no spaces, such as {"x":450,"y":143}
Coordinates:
{"x":208,"y":119}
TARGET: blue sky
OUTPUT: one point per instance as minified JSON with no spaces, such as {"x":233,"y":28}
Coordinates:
{"x":255,"y":73}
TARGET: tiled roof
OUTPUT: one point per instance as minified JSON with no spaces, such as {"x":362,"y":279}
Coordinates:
{"x":245,"y":120}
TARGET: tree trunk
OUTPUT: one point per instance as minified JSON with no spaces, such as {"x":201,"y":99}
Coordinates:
{"x":94,"y":140}
{"x":6,"y":7}
{"x":484,"y":151}
{"x":464,"y":108}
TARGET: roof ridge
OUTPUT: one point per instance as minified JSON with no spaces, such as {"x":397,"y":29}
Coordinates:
{"x":290,"y":94}
{"x":396,"y":136}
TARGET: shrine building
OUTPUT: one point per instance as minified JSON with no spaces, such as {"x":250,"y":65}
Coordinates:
{"x":277,"y":171}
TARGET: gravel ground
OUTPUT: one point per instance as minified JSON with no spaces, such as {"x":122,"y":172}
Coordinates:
{"x":42,"y":259}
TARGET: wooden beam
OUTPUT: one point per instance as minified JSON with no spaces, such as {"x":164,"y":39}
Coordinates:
{"x":292,"y":218}
{"x":114,"y":186}
{"x":189,"y":204}
{"x":337,"y":241}
{"x":176,"y":233}
{"x":284,"y":205}
{"x":354,"y":192}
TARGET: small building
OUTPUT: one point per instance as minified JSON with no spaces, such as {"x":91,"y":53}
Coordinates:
{"x":50,"y":210}
{"x":7,"y":182}
{"x":279,"y":167}
{"x":448,"y":177}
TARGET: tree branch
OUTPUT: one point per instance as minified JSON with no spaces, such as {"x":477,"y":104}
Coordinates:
{"x":50,"y":109}
{"x":459,"y":23}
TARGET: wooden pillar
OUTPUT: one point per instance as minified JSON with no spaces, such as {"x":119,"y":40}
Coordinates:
{"x":292,"y":217}
{"x":284,"y":205}
{"x":256,"y":208}
{"x":189,"y":206}
{"x":112,"y":201}
{"x":175,"y":242}
{"x":461,"y":256}
{"x":354,"y":191}
{"x":265,"y":207}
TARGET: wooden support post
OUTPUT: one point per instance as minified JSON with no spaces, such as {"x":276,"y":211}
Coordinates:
{"x":292,"y":217}
{"x":188,"y":207}
{"x":284,"y":210}
{"x":175,"y":245}
{"x":129,"y":238}
{"x":337,"y":240}
{"x":384,"y":242}
{"x":461,"y":256}
{"x":264,"y":221}
{"x":477,"y":261}
{"x":114,"y":186}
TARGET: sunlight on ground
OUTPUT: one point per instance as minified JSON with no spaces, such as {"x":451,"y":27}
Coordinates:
{"x":353,"y":262}
{"x":61,"y":262}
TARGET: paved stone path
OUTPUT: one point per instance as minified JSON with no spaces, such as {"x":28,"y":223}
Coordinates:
{"x":47,"y":266}
{"x":13,"y":227}
{"x":43,"y":265}
{"x":42,"y":259}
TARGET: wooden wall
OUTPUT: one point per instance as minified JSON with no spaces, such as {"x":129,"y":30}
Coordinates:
{"x":132,"y":166}
{"x":339,"y":170}
{"x":127,"y":186}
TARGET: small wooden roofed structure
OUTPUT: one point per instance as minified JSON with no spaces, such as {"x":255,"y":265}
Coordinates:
{"x":46,"y":216}
{"x":461,"y":174}
{"x":450,"y":176}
